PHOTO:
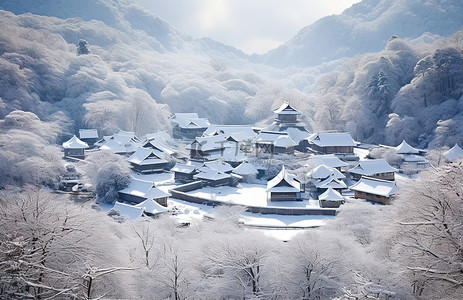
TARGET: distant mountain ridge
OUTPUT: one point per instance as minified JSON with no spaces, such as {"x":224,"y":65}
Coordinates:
{"x":366,"y":27}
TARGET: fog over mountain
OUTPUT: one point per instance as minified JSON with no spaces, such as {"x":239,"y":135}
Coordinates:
{"x":140,"y":70}
{"x":366,"y":27}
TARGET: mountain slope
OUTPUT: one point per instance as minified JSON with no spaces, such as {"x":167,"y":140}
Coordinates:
{"x":366,"y":27}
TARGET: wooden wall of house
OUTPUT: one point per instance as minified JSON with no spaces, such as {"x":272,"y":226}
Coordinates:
{"x":372,"y":197}
{"x":384,"y":176}
{"x":155,"y":168}
{"x":332,"y":149}
{"x":284,"y":197}
{"x":77,"y":153}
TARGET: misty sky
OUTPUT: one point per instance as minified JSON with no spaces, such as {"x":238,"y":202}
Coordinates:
{"x":253,"y":26}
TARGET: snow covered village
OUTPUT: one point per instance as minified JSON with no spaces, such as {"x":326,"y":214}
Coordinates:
{"x":282,"y":175}
{"x":231,"y":149}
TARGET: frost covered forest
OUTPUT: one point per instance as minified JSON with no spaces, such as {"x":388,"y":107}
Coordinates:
{"x":134,"y":70}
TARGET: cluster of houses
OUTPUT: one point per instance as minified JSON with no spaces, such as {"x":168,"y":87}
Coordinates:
{"x":219,"y":155}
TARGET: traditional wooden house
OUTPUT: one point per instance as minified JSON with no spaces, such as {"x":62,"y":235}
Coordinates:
{"x":286,"y":117}
{"x":330,"y":199}
{"x":412,"y":157}
{"x":139,"y":190}
{"x":75,"y":148}
{"x":328,"y":160}
{"x":453,"y":154}
{"x":208,"y":148}
{"x":284,"y":187}
{"x":184,"y":173}
{"x":376,"y":168}
{"x":213,"y":178}
{"x":146,"y":160}
{"x":188,"y":125}
{"x":331,"y":143}
{"x":374,"y":189}
{"x":274,"y":142}
{"x":90,"y":136}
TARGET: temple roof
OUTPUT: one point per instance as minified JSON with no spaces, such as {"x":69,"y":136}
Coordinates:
{"x":286,"y":109}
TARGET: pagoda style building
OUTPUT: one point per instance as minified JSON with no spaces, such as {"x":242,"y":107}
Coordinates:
{"x":287,"y":117}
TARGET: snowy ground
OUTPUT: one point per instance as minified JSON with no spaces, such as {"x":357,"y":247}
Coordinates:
{"x":250,"y":195}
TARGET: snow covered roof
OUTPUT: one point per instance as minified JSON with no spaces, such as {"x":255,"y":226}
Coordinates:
{"x":231,"y":154}
{"x":331,"y":195}
{"x":154,"y":144}
{"x":193,"y":123}
{"x":146,"y":156}
{"x":182,"y":168}
{"x":284,"y":182}
{"x":179,"y":116}
{"x":121,"y":142}
{"x":277,"y":138}
{"x":156,"y":193}
{"x":209,"y":174}
{"x":329,"y":160}
{"x":209,"y":143}
{"x":88,"y":133}
{"x":332,"y":182}
{"x":137,"y":188}
{"x":162,"y":137}
{"x":152,"y":207}
{"x":323,"y":171}
{"x":297,"y":135}
{"x":331,"y":139}
{"x":129,"y":211}
{"x":238,"y":132}
{"x":286,"y":109}
{"x":453,"y":154}
{"x":413,"y":158}
{"x":218,"y":165}
{"x":405,"y":148}
{"x":371,"y":167}
{"x":375,"y":186}
{"x":75,"y":143}
{"x":245,"y":168}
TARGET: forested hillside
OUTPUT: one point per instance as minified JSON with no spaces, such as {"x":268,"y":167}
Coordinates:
{"x":407,"y":91}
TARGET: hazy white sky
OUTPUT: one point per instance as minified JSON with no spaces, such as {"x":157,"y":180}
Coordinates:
{"x":253,"y":26}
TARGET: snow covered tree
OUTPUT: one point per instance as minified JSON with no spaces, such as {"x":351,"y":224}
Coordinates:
{"x":48,"y":245}
{"x":428,"y":229}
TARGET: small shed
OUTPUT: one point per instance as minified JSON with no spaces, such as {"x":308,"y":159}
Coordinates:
{"x":284,"y":187}
{"x":374,"y":189}
{"x":75,"y":148}
{"x":376,"y":168}
{"x":331,"y":199}
{"x":247,"y":171}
